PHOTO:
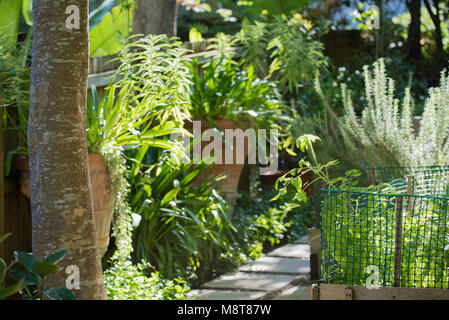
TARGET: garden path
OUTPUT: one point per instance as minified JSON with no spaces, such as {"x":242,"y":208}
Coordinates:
{"x":282,"y":274}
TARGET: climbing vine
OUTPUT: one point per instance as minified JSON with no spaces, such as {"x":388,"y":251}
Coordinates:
{"x":122,"y":218}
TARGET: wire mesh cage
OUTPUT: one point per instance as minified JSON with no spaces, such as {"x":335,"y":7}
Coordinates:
{"x":424,"y":175}
{"x":397,"y":236}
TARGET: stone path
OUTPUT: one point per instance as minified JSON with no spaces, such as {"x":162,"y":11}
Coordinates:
{"x":282,"y":274}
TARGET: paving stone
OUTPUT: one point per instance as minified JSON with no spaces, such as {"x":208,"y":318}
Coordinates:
{"x":277,"y":265}
{"x":205,"y":294}
{"x":295,"y":293}
{"x":292,"y":251}
{"x":250,"y":281}
{"x":303,"y":240}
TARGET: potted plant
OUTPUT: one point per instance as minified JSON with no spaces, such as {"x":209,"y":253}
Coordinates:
{"x":136,"y":110}
{"x":224,"y":95}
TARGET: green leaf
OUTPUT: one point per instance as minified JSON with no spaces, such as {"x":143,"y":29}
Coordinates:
{"x":97,"y":13}
{"x":195,"y":36}
{"x":4,"y":237}
{"x":27,"y":11}
{"x":29,"y":278}
{"x":44,"y":268}
{"x":103,"y":38}
{"x":8,"y":161}
{"x":10,"y":11}
{"x":2,"y":265}
{"x":58,"y":256}
{"x":303,"y":196}
{"x":25,"y":259}
{"x":12,"y":289}
{"x":169,"y":196}
{"x":60,"y":293}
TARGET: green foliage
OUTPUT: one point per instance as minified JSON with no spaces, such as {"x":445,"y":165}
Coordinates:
{"x":385,"y":134}
{"x":366,"y":235}
{"x":183,"y":225}
{"x":261,"y":225}
{"x":138,"y":111}
{"x":155,"y":73}
{"x":104,"y":36}
{"x":136,"y":282}
{"x":224,"y":91}
{"x":277,"y":7}
{"x":31,"y":275}
{"x":427,"y":29}
{"x":15,"y":91}
{"x":285,"y":48}
{"x":4,"y":268}
{"x":377,"y":128}
{"x":117,"y":120}
{"x":10,"y":13}
{"x":294,"y":178}
{"x":264,"y":223}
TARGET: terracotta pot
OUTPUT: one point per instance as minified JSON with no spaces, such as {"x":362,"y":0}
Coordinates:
{"x":103,"y":203}
{"x":100,"y":183}
{"x":232,"y":171}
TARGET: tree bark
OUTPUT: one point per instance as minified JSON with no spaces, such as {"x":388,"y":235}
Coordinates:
{"x":435,"y":16}
{"x":155,"y":17}
{"x":61,"y":198}
{"x":414,"y":30}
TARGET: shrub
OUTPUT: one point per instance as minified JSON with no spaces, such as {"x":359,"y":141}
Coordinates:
{"x":184,"y":225}
{"x":285,"y":48}
{"x":384,"y":133}
{"x":135,"y":282}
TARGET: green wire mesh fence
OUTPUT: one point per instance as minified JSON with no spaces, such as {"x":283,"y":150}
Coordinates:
{"x":398,"y":237}
{"x":423,"y":177}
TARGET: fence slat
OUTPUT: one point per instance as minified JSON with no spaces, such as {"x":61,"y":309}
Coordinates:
{"x":398,"y":243}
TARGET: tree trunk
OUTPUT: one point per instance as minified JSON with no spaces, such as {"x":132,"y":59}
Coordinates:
{"x":436,"y":19}
{"x":61,"y":198}
{"x":155,"y":17}
{"x":414,"y":30}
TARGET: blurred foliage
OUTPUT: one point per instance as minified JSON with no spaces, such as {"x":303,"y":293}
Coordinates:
{"x":184,"y":225}
{"x":108,"y":24}
{"x":211,"y":17}
{"x":15,"y":93}
{"x":137,"y":282}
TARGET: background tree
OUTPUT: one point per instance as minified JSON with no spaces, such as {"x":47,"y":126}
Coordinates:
{"x":155,"y":17}
{"x":414,"y":29}
{"x":61,"y":200}
{"x":435,"y":12}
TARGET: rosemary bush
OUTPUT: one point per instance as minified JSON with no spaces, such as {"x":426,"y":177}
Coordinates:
{"x":385,"y":133}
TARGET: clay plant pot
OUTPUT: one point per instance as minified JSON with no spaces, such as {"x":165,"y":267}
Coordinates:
{"x":100,"y":183}
{"x":232,"y":172}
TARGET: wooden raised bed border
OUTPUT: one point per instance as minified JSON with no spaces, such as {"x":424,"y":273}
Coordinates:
{"x":344,"y":292}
